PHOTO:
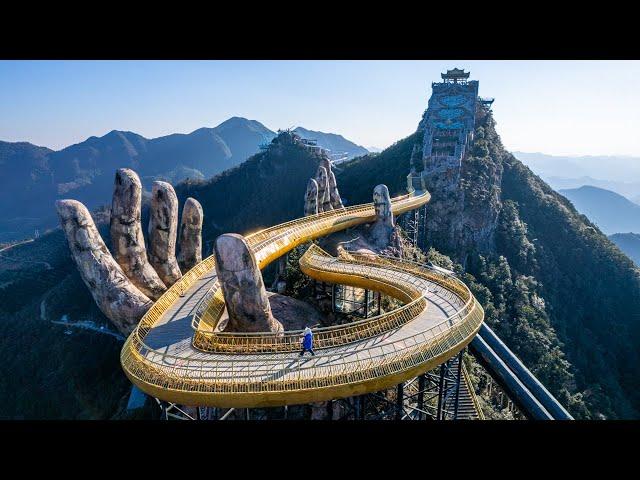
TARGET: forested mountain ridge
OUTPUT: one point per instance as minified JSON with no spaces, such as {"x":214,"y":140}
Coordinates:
{"x":333,"y":142}
{"x":32,"y":178}
{"x":265,"y":190}
{"x":612,"y":212}
{"x":554,"y":288}
{"x":629,"y":243}
{"x":70,"y":372}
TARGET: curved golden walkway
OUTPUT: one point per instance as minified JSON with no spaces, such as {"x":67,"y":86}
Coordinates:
{"x":176,"y":353}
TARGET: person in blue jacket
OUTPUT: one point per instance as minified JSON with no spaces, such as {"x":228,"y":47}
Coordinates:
{"x":307,"y":341}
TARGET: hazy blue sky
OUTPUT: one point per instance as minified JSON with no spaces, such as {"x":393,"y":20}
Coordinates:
{"x":557,"y":107}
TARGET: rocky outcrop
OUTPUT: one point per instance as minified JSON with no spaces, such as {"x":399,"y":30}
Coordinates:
{"x":124,"y":286}
{"x":292,"y":313}
{"x":243,"y":288}
{"x":190,"y":238}
{"x":163,"y":227}
{"x":382,"y":229}
{"x":334,"y":195}
{"x":332,"y":188}
{"x":465,"y":188}
{"x":322,"y":191}
{"x":127,"y":239}
{"x":119,"y":299}
{"x":311,"y":198}
{"x":324,"y":199}
{"x":381,"y":237}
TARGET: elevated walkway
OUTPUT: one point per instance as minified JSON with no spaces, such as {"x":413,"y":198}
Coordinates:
{"x":178,"y":355}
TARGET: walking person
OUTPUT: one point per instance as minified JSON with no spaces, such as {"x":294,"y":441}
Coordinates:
{"x":307,"y":341}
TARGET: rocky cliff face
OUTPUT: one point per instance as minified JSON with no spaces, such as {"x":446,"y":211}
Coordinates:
{"x":541,"y":270}
{"x":465,"y":203}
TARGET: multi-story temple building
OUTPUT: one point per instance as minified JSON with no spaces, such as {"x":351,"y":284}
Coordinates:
{"x":448,"y":126}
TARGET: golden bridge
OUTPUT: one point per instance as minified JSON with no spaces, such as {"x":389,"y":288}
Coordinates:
{"x":177,"y":353}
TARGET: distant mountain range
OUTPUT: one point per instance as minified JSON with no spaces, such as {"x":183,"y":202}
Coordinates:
{"x":612,"y":212}
{"x":620,"y":174}
{"x":374,"y":149}
{"x":618,"y":168}
{"x":629,"y":243}
{"x":337,"y":144}
{"x":629,"y":190}
{"x":32,"y":177}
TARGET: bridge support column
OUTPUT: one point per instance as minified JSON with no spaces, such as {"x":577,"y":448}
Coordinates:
{"x":441,"y":391}
{"x":366,"y":303}
{"x":399,"y":401}
{"x":458,"y":377}
{"x":421,"y":386}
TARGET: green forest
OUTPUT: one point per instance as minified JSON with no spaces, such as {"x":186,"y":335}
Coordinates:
{"x":554,"y":288}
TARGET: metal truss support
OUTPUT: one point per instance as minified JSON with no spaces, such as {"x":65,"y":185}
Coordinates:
{"x":414,"y":224}
{"x":355,"y":301}
{"x":399,"y":401}
{"x":441,"y":387}
{"x":172,"y":411}
{"x":421,"y":387}
{"x":434,"y":395}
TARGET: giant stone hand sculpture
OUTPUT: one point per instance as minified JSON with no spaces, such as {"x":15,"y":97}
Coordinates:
{"x":311,"y":198}
{"x":163,"y":227}
{"x":127,"y":240}
{"x":334,"y":195}
{"x":124,"y":287}
{"x":118,"y":298}
{"x":324,"y":194}
{"x":322,"y":191}
{"x":243,"y":287}
{"x":384,"y":224}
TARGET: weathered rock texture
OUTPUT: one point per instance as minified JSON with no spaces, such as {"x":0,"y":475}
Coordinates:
{"x":243,"y":288}
{"x":336,"y":200}
{"x":384,"y":225}
{"x":127,"y":240}
{"x":465,"y":188}
{"x":115,"y":295}
{"x":311,"y":198}
{"x":324,"y":199}
{"x":381,"y":237}
{"x":190,"y":239}
{"x":163,"y":227}
{"x":334,"y":195}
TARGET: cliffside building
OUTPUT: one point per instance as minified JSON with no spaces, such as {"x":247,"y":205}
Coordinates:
{"x":448,"y":126}
{"x":447,"y":130}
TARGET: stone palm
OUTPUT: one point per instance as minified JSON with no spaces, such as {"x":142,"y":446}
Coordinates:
{"x":125,"y":284}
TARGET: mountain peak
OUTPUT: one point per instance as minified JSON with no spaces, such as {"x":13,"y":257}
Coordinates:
{"x":235,"y":122}
{"x":609,"y":210}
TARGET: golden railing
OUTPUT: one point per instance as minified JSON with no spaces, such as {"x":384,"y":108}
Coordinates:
{"x":447,"y":281}
{"x":273,"y":242}
{"x":261,"y":374}
{"x":268,"y":244}
{"x":315,"y":259}
{"x":220,"y":379}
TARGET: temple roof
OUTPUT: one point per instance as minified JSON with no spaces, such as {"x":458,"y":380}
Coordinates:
{"x":456,"y":73}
